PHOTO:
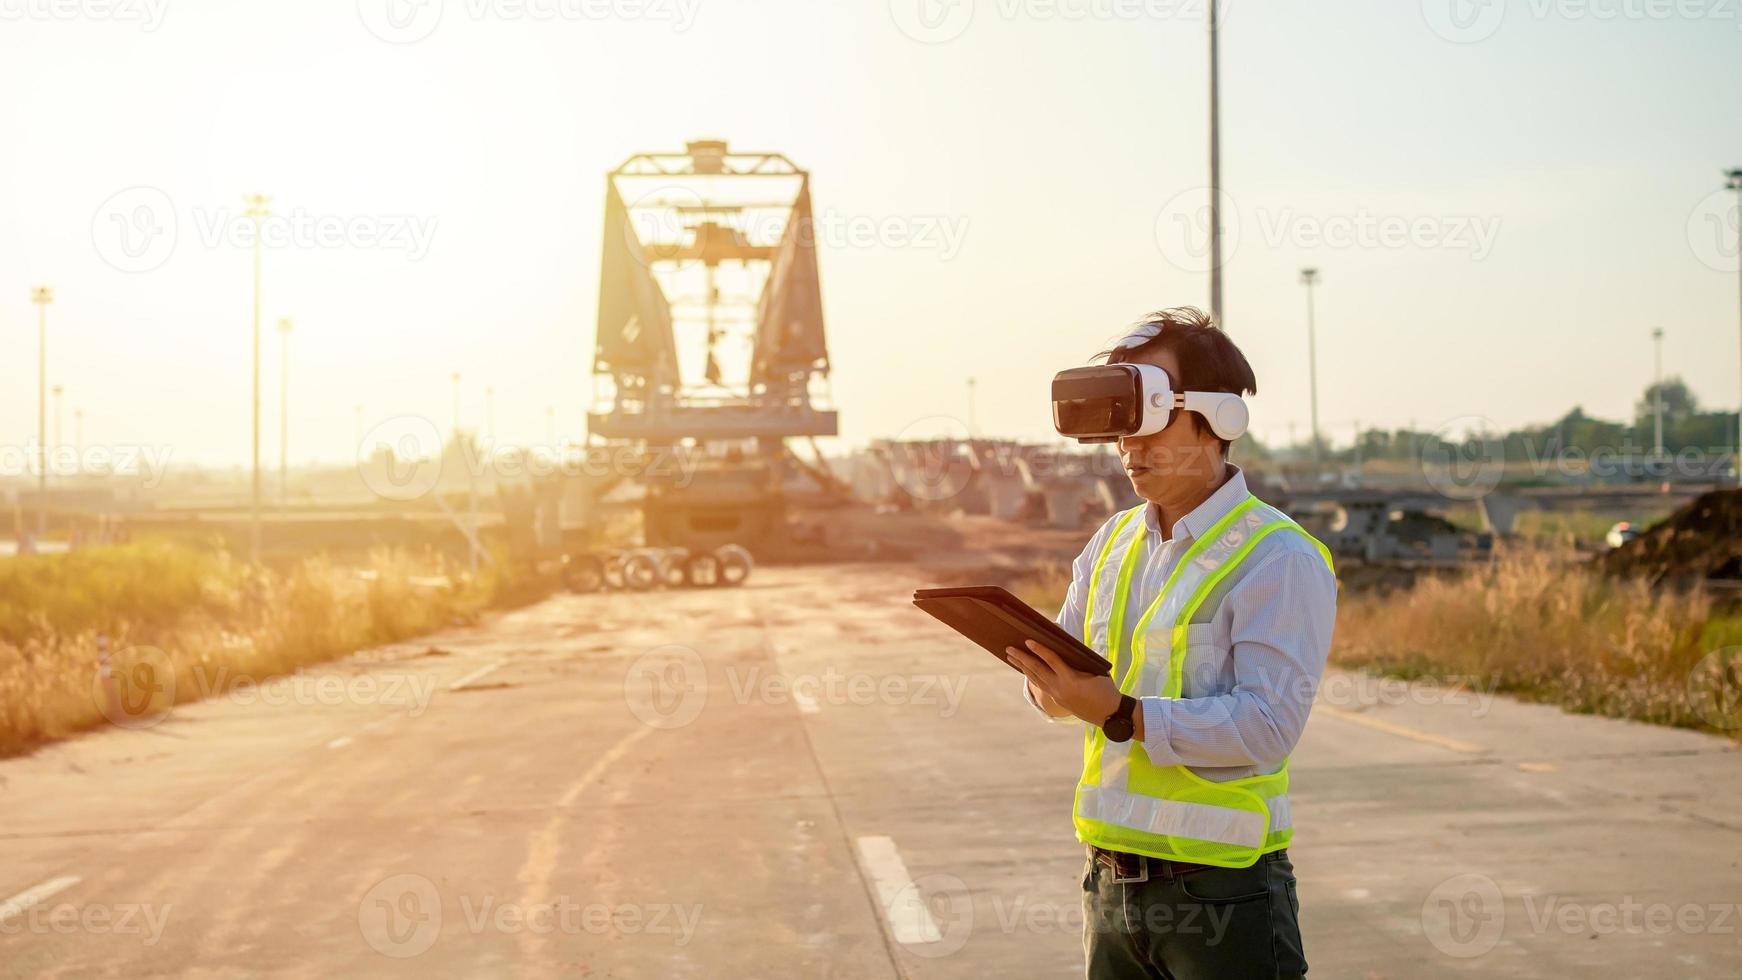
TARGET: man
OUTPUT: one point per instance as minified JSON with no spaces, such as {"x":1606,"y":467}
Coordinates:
{"x":1216,"y":611}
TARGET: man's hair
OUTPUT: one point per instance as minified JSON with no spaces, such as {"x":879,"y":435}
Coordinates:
{"x":1208,"y":360}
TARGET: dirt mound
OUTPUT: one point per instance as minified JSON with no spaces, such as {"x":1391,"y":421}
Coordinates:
{"x":1703,"y":540}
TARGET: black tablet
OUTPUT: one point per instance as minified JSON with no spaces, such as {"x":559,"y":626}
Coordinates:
{"x":995,"y":619}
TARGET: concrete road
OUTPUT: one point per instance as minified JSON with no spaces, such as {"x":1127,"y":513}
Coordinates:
{"x":805,"y":777}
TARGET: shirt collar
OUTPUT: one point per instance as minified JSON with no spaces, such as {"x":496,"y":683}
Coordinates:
{"x":1205,"y":515}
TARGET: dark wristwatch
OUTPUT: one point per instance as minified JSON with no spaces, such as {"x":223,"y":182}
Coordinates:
{"x":1120,"y":726}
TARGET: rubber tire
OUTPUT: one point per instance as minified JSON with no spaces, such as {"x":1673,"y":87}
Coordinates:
{"x":735,"y":564}
{"x":672,"y":571}
{"x":640,"y":571}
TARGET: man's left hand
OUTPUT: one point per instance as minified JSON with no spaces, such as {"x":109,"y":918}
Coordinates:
{"x":1091,"y":697}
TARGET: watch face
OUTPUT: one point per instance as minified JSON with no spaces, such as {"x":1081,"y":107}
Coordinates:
{"x":1119,"y":727}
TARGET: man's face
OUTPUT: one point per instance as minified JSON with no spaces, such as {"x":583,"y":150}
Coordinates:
{"x":1178,"y":453}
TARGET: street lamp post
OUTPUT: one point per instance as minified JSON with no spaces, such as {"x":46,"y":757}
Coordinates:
{"x":256,"y":210}
{"x":42,"y":296}
{"x":284,"y":328}
{"x":54,"y":447}
{"x":1733,"y":181}
{"x":1308,"y":278}
{"x":1657,"y":391}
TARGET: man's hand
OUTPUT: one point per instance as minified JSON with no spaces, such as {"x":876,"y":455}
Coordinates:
{"x":1091,"y":697}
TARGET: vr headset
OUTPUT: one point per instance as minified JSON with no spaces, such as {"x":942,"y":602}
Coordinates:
{"x":1106,"y":402}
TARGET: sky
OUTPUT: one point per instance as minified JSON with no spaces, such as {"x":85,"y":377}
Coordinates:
{"x":1503,"y":199}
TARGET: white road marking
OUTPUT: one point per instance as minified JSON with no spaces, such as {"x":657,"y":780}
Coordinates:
{"x":36,"y":895}
{"x":474,"y":675}
{"x":340,"y":742}
{"x":904,"y":907}
{"x":1426,"y":738}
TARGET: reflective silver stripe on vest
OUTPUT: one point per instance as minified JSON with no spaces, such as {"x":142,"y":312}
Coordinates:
{"x":1280,"y":817}
{"x":1155,"y":815}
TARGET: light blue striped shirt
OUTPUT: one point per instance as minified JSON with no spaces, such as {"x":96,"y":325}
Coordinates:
{"x":1254,"y":651}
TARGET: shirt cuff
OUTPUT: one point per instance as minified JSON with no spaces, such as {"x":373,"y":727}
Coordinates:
{"x":1157,"y":727}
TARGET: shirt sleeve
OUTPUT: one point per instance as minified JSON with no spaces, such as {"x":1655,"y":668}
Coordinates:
{"x":1283,"y":613}
{"x":1071,"y":613}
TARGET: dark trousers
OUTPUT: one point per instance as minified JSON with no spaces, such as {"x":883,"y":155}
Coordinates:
{"x":1212,"y":924}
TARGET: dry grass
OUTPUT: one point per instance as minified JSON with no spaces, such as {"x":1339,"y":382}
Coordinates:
{"x":1541,"y":625}
{"x":211,"y":621}
{"x":1547,"y":629}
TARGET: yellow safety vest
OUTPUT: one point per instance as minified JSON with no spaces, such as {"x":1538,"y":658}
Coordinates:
{"x":1124,"y":802}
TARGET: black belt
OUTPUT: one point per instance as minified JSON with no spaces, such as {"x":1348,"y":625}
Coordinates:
{"x":1130,"y":868}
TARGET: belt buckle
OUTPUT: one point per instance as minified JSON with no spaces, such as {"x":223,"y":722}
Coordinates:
{"x":1123,"y":879}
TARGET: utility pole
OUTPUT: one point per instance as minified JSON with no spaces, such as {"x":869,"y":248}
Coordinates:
{"x":284,"y":328}
{"x":1733,"y":181}
{"x":55,"y":446}
{"x":973,"y":429}
{"x":1215,"y":174}
{"x":42,"y":296}
{"x":256,"y":210}
{"x":1657,"y":391}
{"x":1308,"y":278}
